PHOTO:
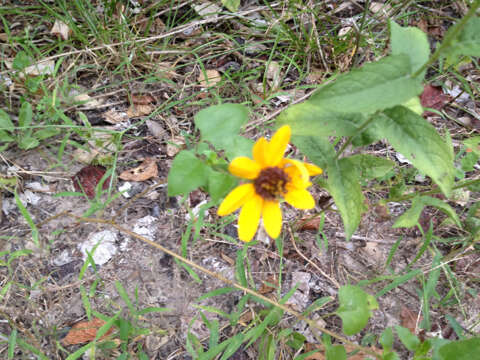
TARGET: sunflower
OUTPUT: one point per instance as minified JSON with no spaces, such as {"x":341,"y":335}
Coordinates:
{"x":271,"y":177}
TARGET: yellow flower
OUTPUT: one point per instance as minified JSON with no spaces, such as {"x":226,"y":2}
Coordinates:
{"x":272,"y":177}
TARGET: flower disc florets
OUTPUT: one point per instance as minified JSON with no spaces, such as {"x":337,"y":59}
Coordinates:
{"x":271,"y":183}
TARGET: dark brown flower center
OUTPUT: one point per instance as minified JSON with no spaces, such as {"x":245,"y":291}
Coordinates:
{"x":271,"y":183}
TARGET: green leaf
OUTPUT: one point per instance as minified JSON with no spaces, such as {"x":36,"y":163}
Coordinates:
{"x":467,"y":42}
{"x":5,"y":122}
{"x":336,"y":353}
{"x":410,"y":341}
{"x":219,"y":184}
{"x":307,"y":119}
{"x":316,"y":148}
{"x":410,"y":217}
{"x":239,"y":146}
{"x":21,"y":61}
{"x":472,"y":222}
{"x":418,"y":141}
{"x":25,"y":115}
{"x":186,"y":174}
{"x":369,"y":166}
{"x":375,"y":86}
{"x":410,"y":41}
{"x":231,"y":5}
{"x":12,"y":343}
{"x":45,"y":133}
{"x":355,"y":308}
{"x":27,"y":142}
{"x":386,"y":339}
{"x":344,"y":186}
{"x":473,"y":143}
{"x":219,"y":124}
{"x":5,"y":137}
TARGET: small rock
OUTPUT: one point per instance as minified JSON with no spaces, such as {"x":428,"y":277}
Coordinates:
{"x":106,"y":246}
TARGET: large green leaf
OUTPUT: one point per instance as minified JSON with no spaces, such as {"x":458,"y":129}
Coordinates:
{"x":317,"y":148}
{"x":369,"y":166}
{"x":375,"y":86}
{"x":239,"y":146}
{"x":344,"y":186}
{"x":307,"y":119}
{"x":410,"y":41}
{"x":460,"y":350}
{"x":467,"y":42}
{"x":186,"y":174}
{"x":219,"y":184}
{"x":355,"y":308}
{"x":220,"y":124}
{"x":408,"y":339}
{"x":410,"y":217}
{"x":419,"y":142}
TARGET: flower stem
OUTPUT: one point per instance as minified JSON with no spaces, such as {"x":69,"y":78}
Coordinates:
{"x":350,"y":138}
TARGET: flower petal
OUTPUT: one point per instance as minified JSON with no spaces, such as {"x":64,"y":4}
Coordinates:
{"x":301,"y":170}
{"x":244,"y":167}
{"x":259,"y":150}
{"x":272,"y":218}
{"x":249,"y":218}
{"x":236,"y":198}
{"x":277,"y":146}
{"x":313,"y":169}
{"x":300,"y":198}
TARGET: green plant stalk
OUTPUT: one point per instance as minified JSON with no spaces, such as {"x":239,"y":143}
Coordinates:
{"x":449,"y":38}
{"x":350,"y":138}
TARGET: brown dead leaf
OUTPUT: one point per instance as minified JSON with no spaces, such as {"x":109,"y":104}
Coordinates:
{"x":143,"y":99}
{"x":114,"y":117}
{"x":227,"y":258}
{"x":267,"y":288}
{"x":146,"y":170}
{"x":310,"y":224}
{"x":321,"y":354}
{"x":85,"y":331}
{"x":139,"y":110}
{"x":155,"y":129}
{"x":433,"y":97}
{"x":209,"y":78}
{"x":408,"y":319}
{"x":61,"y":30}
{"x":3,"y":37}
{"x":175,"y":145}
{"x":88,"y":178}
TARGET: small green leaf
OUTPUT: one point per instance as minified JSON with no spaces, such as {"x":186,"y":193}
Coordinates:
{"x":410,"y":341}
{"x":25,"y":115}
{"x":410,"y":41}
{"x":355,"y":308}
{"x":410,"y":217}
{"x":418,"y":141}
{"x":375,"y":86}
{"x":473,"y":144}
{"x":336,"y":353}
{"x":219,"y":184}
{"x":27,"y":142}
{"x":45,"y":133}
{"x":386,"y":339}
{"x":5,"y":137}
{"x":186,"y":174}
{"x":5,"y":121}
{"x":231,"y":5}
{"x":369,"y":166}
{"x":219,"y":124}
{"x":21,"y":61}
{"x":344,"y":186}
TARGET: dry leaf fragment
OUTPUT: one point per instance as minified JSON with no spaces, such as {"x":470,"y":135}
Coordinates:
{"x":87,"y":100}
{"x":408,"y":319}
{"x":139,"y":110}
{"x":88,"y":178}
{"x":61,"y":29}
{"x":146,"y":170}
{"x":143,"y":99}
{"x":433,"y":97}
{"x":85,"y":331}
{"x":273,"y":75}
{"x":114,"y":117}
{"x":175,"y":145}
{"x":40,"y":68}
{"x":155,"y":129}
{"x":212,"y":77}
{"x":381,"y":9}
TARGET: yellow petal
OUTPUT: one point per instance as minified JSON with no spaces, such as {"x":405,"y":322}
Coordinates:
{"x":244,"y":167}
{"x":259,"y":150}
{"x":299,"y":167}
{"x":235,"y":199}
{"x":300,"y":198}
{"x":277,"y":146}
{"x":272,"y":218}
{"x":249,"y":218}
{"x":313,"y":169}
